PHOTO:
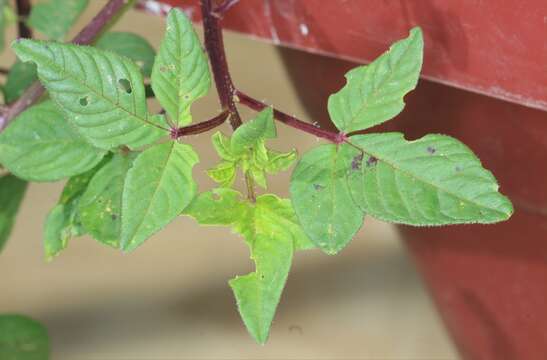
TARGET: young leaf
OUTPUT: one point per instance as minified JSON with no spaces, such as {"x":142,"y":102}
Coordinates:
{"x":63,"y":221}
{"x":222,"y":145}
{"x":100,"y":207}
{"x":12,"y":191}
{"x":374,"y":93}
{"x":224,"y":173}
{"x":42,"y":146}
{"x":249,"y":134}
{"x":130,"y":45}
{"x":221,"y":206}
{"x":180,"y":74}
{"x":101,"y":93}
{"x":22,"y":338}
{"x":278,"y":161}
{"x":435,"y":180}
{"x":54,"y":18}
{"x":322,"y":199}
{"x":157,"y":188}
{"x":20,"y":77}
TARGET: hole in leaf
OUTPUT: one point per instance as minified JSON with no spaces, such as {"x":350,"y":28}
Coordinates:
{"x":84,"y":101}
{"x":431,"y":150}
{"x":371,"y":161}
{"x":125,"y":85}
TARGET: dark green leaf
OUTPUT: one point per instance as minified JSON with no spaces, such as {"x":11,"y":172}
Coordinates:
{"x":12,"y":191}
{"x":54,"y":18}
{"x":22,"y":338}
{"x":20,"y":77}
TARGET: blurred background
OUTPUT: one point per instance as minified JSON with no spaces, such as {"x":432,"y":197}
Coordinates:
{"x":170,"y":298}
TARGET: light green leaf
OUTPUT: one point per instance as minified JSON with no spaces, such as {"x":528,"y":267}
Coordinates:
{"x":157,"y":188}
{"x":435,"y":180}
{"x":100,"y":207}
{"x":3,"y":23}
{"x":12,"y":191}
{"x":54,"y":18}
{"x":101,"y":93}
{"x":22,"y":338}
{"x":272,"y":232}
{"x":130,"y":45}
{"x":222,"y":145}
{"x":278,"y":161}
{"x":374,"y":93}
{"x":20,"y":77}
{"x":259,"y":176}
{"x":63,"y":221}
{"x":41,"y":146}
{"x":224,"y":173}
{"x":250,"y":133}
{"x":322,"y":199}
{"x":180,"y":74}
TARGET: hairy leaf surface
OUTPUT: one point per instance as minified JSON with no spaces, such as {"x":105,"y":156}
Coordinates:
{"x":180,"y":74}
{"x":101,"y":93}
{"x":157,"y":188}
{"x":435,"y":180}
{"x":322,"y":199}
{"x":130,"y":45}
{"x":42,"y":146}
{"x":12,"y":191}
{"x":374,"y":93}
{"x":54,"y":18}
{"x":22,"y":338}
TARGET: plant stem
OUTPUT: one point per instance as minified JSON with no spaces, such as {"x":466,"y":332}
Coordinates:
{"x":222,"y":8}
{"x":200,"y":127}
{"x":249,"y":180}
{"x":292,"y":121}
{"x":85,"y":36}
{"x":23,"y":8}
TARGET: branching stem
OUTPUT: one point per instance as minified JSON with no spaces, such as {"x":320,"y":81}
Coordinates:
{"x":200,"y":127}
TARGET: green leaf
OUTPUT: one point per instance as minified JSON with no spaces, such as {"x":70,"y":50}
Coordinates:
{"x":63,"y":221}
{"x":224,"y":173}
{"x":101,"y":93}
{"x":3,"y":23}
{"x":322,"y":199}
{"x":222,"y":145}
{"x":221,"y":206}
{"x":100,"y":207}
{"x":278,"y":161}
{"x":12,"y":191}
{"x":157,"y":188}
{"x":180,"y":74}
{"x":54,"y":18}
{"x":435,"y":180}
{"x":250,"y":133}
{"x":374,"y":93}
{"x":20,"y":77}
{"x":22,"y":338}
{"x":130,"y":45}
{"x":42,"y":146}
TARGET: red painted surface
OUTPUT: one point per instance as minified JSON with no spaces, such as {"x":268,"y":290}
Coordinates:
{"x":497,"y":47}
{"x":489,"y":282}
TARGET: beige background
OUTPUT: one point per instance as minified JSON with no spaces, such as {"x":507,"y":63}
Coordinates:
{"x":170,"y":298}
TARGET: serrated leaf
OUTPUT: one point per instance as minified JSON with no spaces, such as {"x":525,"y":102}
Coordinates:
{"x":222,"y":145}
{"x":101,"y":93}
{"x":54,"y":18}
{"x":435,"y":180}
{"x":20,"y":77}
{"x":22,"y":338}
{"x":272,"y":232}
{"x":130,"y":45}
{"x":12,"y":191}
{"x":224,"y":173}
{"x":250,"y":133}
{"x":41,"y":146}
{"x":278,"y":161}
{"x":322,"y":199}
{"x":100,"y":207}
{"x":157,"y":189}
{"x":63,"y":221}
{"x":180,"y":74}
{"x":374,"y":93}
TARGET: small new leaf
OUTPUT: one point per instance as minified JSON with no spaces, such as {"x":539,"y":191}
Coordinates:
{"x":54,"y":18}
{"x":180,"y":74}
{"x":157,"y":189}
{"x":42,"y":146}
{"x":12,"y":191}
{"x":374,"y":93}
{"x":278,"y":161}
{"x":322,"y":199}
{"x":101,"y":93}
{"x":222,"y":145}
{"x":224,"y":173}
{"x":22,"y":338}
{"x":435,"y":180}
{"x":250,"y":133}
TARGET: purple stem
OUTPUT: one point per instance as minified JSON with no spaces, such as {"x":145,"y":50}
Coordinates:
{"x":23,"y":8}
{"x":222,"y":8}
{"x":200,"y":127}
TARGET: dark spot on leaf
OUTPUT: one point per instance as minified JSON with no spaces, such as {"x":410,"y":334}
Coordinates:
{"x":114,"y":217}
{"x":84,"y":101}
{"x":163,"y":68}
{"x":186,"y":97}
{"x":125,"y":85}
{"x":458,"y":168}
{"x":371,"y":161}
{"x":357,"y":162}
{"x":431,"y":150}
{"x":216,"y":196}
{"x":318,"y":187}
